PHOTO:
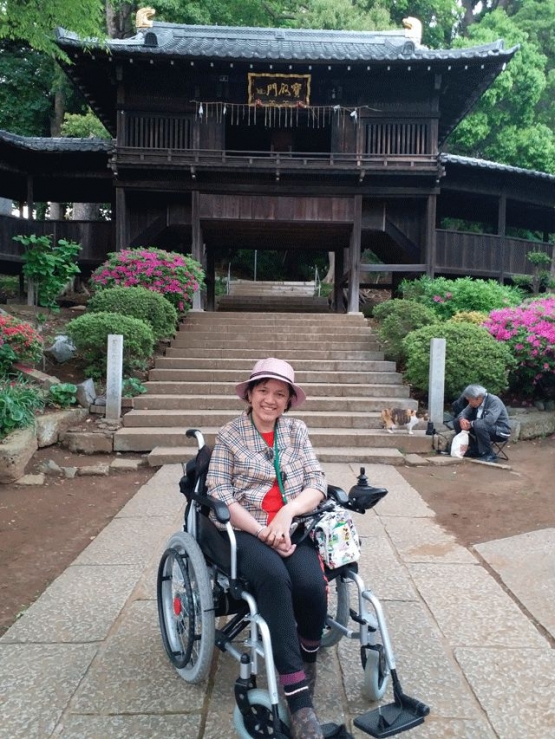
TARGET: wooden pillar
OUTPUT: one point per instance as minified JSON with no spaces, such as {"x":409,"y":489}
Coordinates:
{"x":502,"y":231}
{"x":354,"y":258}
{"x":338,"y":284}
{"x":122,"y":224}
{"x":431,"y":257}
{"x":210,"y":280}
{"x":196,"y":241}
{"x":30,"y":198}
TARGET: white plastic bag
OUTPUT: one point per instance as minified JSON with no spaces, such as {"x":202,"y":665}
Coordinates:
{"x":459,"y":444}
{"x":337,"y":538}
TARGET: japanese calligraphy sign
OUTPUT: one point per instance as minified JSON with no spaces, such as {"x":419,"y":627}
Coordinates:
{"x":279,"y":89}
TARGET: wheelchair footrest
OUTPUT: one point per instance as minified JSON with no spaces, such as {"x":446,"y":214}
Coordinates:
{"x":335,"y":731}
{"x":391,"y":719}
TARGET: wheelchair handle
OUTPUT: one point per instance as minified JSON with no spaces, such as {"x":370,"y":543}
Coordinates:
{"x":195,"y":433}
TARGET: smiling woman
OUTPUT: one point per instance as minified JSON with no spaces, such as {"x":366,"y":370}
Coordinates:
{"x":264,"y":468}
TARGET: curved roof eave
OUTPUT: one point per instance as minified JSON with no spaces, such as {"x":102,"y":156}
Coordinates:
{"x":278,"y":45}
{"x":476,"y":163}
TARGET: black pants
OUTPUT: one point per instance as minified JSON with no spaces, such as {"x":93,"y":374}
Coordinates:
{"x":291,"y":593}
{"x":481,"y":436}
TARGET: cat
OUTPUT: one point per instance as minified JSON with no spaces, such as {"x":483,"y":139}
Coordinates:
{"x":393,"y":418}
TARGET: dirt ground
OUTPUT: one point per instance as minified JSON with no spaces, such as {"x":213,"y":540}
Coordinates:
{"x":43,"y":529}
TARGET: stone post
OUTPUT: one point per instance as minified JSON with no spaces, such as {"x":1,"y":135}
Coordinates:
{"x":436,"y":383}
{"x":114,"y":377}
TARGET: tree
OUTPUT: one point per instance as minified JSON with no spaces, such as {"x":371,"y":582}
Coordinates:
{"x":34,"y":23}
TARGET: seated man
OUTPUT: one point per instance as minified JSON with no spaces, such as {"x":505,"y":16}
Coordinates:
{"x":486,"y":419}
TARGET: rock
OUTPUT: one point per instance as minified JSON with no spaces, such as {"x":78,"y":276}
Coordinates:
{"x":550,"y":405}
{"x":62,"y":350}
{"x":46,"y":381}
{"x":15,"y":451}
{"x":126,"y":464}
{"x":69,"y":472}
{"x":539,"y":404}
{"x":51,"y":425}
{"x":94,"y":469}
{"x":87,"y":442}
{"x":31,"y":479}
{"x":50,"y":467}
{"x":86,"y":393}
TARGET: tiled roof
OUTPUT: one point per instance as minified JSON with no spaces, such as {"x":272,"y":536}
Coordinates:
{"x":493,"y":166}
{"x":280,"y":44}
{"x":40,"y":143}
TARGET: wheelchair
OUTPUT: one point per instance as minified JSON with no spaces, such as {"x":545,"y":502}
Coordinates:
{"x":203,"y":605}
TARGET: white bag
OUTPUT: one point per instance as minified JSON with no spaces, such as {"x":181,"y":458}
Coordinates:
{"x":459,"y":444}
{"x":337,"y":538}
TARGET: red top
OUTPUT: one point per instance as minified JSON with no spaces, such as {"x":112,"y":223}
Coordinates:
{"x":272,"y":500}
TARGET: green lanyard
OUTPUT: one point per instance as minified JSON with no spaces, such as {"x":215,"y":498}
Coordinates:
{"x":276,"y":461}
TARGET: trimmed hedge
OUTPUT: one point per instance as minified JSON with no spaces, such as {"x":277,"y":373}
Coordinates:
{"x":137,"y":302}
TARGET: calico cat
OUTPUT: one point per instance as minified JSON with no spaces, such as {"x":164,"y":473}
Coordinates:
{"x":393,"y":418}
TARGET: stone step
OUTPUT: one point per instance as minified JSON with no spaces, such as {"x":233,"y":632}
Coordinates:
{"x":388,"y":392}
{"x":159,"y":418}
{"x":301,"y":365}
{"x":305,"y":379}
{"x":312,"y":355}
{"x":152,"y":401}
{"x":267,"y":304}
{"x":361,"y":456}
{"x":266,"y":345}
{"x":200,"y":318}
{"x":144,"y":440}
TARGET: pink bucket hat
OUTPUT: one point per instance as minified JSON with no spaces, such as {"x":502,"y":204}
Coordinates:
{"x":273,"y":369}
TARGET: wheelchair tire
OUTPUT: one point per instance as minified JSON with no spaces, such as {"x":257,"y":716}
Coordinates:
{"x":338,"y":609}
{"x":186,"y":608}
{"x":259,"y":723}
{"x":375,"y":677}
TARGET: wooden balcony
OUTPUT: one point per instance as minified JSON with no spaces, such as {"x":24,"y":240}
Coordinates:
{"x":321,"y":163}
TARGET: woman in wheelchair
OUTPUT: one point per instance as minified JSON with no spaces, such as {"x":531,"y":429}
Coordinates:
{"x":264,"y":468}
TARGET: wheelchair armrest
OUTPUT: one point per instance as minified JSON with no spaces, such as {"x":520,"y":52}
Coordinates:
{"x":221,"y":511}
{"x":338,"y":495}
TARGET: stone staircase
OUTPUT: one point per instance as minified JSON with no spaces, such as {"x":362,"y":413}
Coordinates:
{"x":336,"y":359}
{"x":272,"y":297}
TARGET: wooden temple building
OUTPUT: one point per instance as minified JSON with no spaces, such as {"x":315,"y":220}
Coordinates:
{"x":265,"y":138}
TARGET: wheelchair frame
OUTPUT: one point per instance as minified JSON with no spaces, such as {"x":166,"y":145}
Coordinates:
{"x":198,"y":583}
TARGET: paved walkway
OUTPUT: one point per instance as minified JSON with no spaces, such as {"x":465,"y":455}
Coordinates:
{"x":86,"y":660}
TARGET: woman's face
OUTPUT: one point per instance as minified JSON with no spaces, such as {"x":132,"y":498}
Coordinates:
{"x":269,"y":401}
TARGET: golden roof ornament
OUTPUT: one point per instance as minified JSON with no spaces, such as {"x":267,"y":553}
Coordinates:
{"x":413,"y":29}
{"x":143,"y":17}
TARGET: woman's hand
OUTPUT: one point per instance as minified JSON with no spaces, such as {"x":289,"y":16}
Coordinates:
{"x":276,"y":533}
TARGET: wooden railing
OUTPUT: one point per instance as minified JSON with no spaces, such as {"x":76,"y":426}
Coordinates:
{"x":397,"y":138}
{"x":95,"y":237}
{"x":498,"y":257}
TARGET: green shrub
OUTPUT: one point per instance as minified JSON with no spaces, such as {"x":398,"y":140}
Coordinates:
{"x":132,"y":386}
{"x":469,"y":316}
{"x":471,"y":355}
{"x":62,"y":395}
{"x":19,"y":342}
{"x":90,"y":333}
{"x":137,"y":302}
{"x":18,"y":403}
{"x":382,"y":310}
{"x":404,"y":316}
{"x":447,"y":297}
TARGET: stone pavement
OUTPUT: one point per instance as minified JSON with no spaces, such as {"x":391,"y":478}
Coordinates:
{"x":473,"y":632}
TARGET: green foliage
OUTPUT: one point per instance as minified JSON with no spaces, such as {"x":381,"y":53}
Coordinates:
{"x":471,"y":355}
{"x":89,"y":334}
{"x":34,"y":22}
{"x":406,"y":316}
{"x":447,"y":297}
{"x":137,"y":302}
{"x":82,"y":126}
{"x":382,"y":310}
{"x":18,"y":403}
{"x":49,"y":267}
{"x":9,"y":286}
{"x":19,"y":342}
{"x":132,"y":386}
{"x":470,"y":316}
{"x":62,"y":395}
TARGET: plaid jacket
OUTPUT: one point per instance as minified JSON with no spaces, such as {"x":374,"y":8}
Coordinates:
{"x":242,"y":470}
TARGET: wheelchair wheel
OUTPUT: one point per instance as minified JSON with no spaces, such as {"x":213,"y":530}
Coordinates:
{"x":375,"y":677}
{"x":259,"y":721}
{"x":338,"y":609}
{"x":186,"y":608}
